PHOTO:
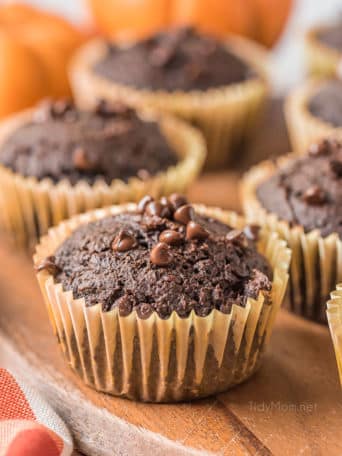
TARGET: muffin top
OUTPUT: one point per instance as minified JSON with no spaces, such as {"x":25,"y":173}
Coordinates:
{"x":326,"y":103}
{"x":162,"y":258}
{"x":177,"y":59}
{"x":62,"y":142}
{"x":308,"y":190}
{"x":331,"y":36}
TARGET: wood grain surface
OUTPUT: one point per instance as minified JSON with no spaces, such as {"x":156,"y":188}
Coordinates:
{"x":292,"y":406}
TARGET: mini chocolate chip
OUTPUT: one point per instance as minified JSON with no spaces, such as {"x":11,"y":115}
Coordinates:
{"x":158,"y":209}
{"x":81,"y":160}
{"x":184,"y":214}
{"x":238,"y":237}
{"x":314,"y":196}
{"x":144,"y":202}
{"x":160,"y":254}
{"x":336,"y":167}
{"x":165,"y":202}
{"x":111,"y":109}
{"x":252,"y":232}
{"x":144,"y":310}
{"x":49,"y":265}
{"x":320,"y":148}
{"x":125,"y":304}
{"x":61,"y":107}
{"x":123,"y":242}
{"x":177,"y":200}
{"x":196,"y":231}
{"x":171,"y":237}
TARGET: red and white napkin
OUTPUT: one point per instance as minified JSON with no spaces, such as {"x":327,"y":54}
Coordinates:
{"x":28,"y":425}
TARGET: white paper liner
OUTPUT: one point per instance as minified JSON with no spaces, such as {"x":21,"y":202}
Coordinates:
{"x":226,"y":115}
{"x":334,"y":315}
{"x":304,"y":128}
{"x":162,"y":360}
{"x":29,"y":207}
{"x":316,"y":264}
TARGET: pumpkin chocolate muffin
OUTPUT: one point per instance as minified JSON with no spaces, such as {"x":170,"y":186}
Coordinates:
{"x":301,"y":198}
{"x":217,"y":86}
{"x":314,"y":111}
{"x":58,"y":160}
{"x":323,"y":46}
{"x":183,"y":295}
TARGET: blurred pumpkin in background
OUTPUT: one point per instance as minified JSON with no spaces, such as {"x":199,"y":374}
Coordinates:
{"x":261,"y":20}
{"x":35,"y":49}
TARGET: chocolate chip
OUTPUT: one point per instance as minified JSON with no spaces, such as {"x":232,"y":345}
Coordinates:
{"x":123,"y":242}
{"x":184,"y":214}
{"x":161,"y":255}
{"x":81,"y":161}
{"x":144,"y":202}
{"x":314,"y":196}
{"x":110,"y":109}
{"x":158,"y":209}
{"x":177,"y":200}
{"x":336,"y":167}
{"x":252,"y":232}
{"x":144,"y":310}
{"x":196,"y":231}
{"x":125,"y":304}
{"x":237,"y":237}
{"x":171,"y":237}
{"x":49,"y":265}
{"x":320,"y":148}
{"x":61,"y":107}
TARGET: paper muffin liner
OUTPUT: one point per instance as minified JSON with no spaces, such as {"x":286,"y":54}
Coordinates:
{"x":304,"y":128}
{"x":28,"y":207}
{"x":316,"y":264}
{"x":226,"y":116}
{"x":162,"y":360}
{"x":321,"y":60}
{"x":334,"y":314}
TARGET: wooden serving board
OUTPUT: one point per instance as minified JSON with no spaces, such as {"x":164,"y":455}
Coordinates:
{"x":292,"y":406}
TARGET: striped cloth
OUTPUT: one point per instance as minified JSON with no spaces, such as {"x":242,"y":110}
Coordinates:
{"x":28,"y":425}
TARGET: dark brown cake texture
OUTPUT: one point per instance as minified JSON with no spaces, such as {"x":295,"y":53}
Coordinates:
{"x":326,"y":103}
{"x":164,"y":257}
{"x":308,"y":190}
{"x":176,"y":59}
{"x":62,"y":142}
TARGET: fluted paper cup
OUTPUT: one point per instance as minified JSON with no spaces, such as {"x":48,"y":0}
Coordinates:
{"x":226,"y":116}
{"x":316,"y":264}
{"x":162,"y":360}
{"x":334,"y":315}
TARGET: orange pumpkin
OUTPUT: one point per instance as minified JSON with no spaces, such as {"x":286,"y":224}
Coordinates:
{"x":262,"y":20}
{"x":42,"y":43}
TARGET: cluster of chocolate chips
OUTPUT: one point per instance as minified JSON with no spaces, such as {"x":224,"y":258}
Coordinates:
{"x":176,"y":209}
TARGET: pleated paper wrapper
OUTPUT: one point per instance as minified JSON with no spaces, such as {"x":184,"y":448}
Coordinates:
{"x":321,"y":60}
{"x":28,"y":207}
{"x":334,"y":314}
{"x":162,"y":360}
{"x":316,"y":264}
{"x":226,"y":116}
{"x":304,"y":128}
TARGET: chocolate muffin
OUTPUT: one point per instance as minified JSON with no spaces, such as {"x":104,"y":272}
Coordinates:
{"x":162,"y":301}
{"x":301,"y":198}
{"x":57,"y":160}
{"x":326,"y":102}
{"x":308,"y":191}
{"x":217,"y":86}
{"x":166,"y":258}
{"x":62,"y":142}
{"x":177,"y":59}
